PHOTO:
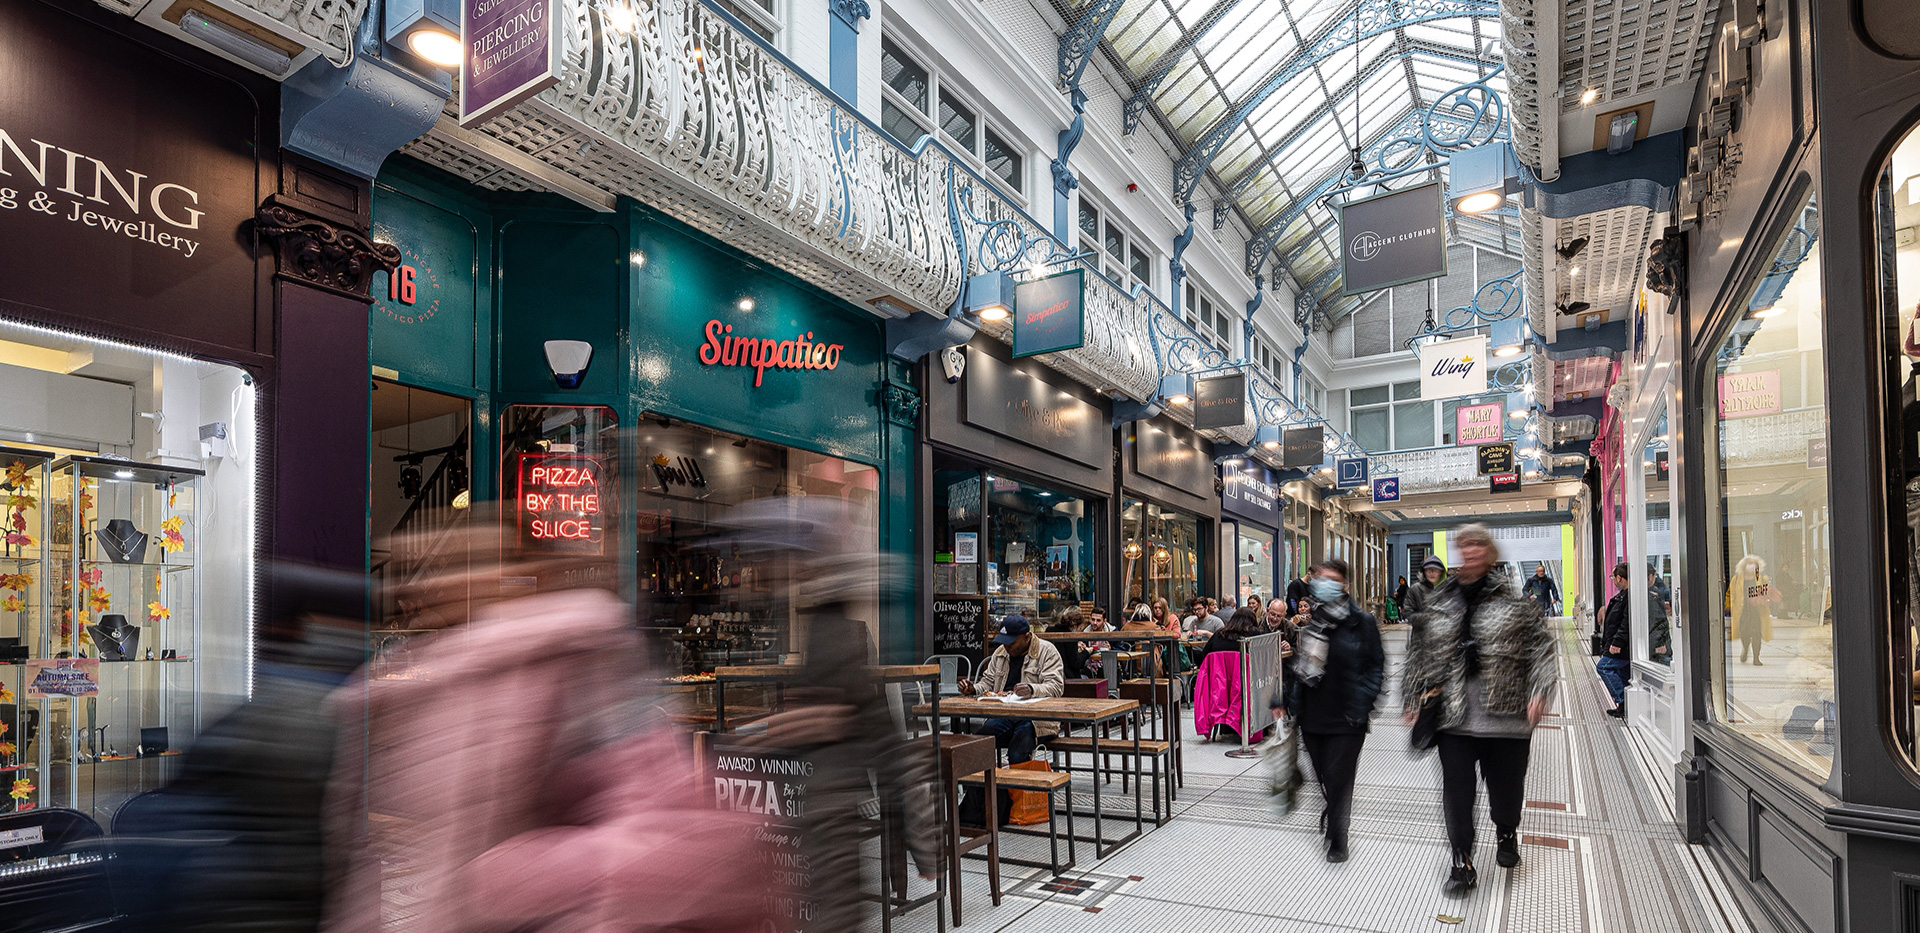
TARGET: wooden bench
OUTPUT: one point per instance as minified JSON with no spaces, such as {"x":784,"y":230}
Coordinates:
{"x":1040,"y":782}
{"x":1154,"y":749}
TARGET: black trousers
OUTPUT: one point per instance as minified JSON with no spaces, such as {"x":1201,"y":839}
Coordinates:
{"x":1503,"y":765}
{"x":1336,"y":761}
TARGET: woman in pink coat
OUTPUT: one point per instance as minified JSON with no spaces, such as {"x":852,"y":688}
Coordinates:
{"x":516,"y":777}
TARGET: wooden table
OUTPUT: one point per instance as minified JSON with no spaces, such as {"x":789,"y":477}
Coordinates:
{"x":1073,"y":710}
{"x":1172,"y":706}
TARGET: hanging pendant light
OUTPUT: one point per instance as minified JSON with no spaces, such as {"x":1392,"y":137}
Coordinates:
{"x":1132,"y":550}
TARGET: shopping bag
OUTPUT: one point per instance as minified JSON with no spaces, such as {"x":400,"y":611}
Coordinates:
{"x":1283,"y":768}
{"x":1030,"y":806}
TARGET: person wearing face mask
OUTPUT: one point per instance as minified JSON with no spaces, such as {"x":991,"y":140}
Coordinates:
{"x":1485,"y":651}
{"x":1338,"y":668}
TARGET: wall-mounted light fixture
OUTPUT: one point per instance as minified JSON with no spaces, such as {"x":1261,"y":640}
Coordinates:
{"x":427,"y":28}
{"x":990,"y":296}
{"x":1511,"y":337}
{"x":1479,"y":179}
{"x":1267,"y":437}
{"x":215,"y":30}
{"x":1177,"y":388}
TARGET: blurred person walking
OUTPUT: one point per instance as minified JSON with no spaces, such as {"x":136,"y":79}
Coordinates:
{"x":1432,"y":570}
{"x":1486,"y":652}
{"x":1616,"y":671}
{"x":518,"y":757}
{"x":1338,"y":668}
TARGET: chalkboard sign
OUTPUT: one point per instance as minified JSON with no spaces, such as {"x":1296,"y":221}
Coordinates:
{"x":958,"y":628}
{"x":771,"y":785}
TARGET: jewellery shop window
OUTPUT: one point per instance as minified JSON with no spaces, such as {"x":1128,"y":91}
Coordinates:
{"x":1160,"y":556}
{"x":1256,"y":564}
{"x":1657,"y":535}
{"x":1772,"y":662}
{"x":738,"y":540}
{"x":1898,"y":213}
{"x":126,"y":564}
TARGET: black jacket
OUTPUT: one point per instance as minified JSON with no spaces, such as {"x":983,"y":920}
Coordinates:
{"x":1342,"y":702}
{"x":1220,"y":641}
{"x":1296,"y":591}
{"x":1614,"y":629}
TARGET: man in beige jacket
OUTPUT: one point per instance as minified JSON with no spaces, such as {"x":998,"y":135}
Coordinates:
{"x":1034,"y":668}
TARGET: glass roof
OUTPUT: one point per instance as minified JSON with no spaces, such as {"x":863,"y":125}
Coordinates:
{"x":1202,"y":60}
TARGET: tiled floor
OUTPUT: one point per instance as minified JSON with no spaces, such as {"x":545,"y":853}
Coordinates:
{"x":1601,"y":850}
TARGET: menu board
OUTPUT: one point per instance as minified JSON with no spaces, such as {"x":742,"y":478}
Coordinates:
{"x":958,"y":628}
{"x":771,"y":785}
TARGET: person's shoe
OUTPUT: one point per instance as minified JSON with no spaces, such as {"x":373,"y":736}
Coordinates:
{"x":1759,"y":663}
{"x":1619,"y":711}
{"x":1509,"y":850}
{"x":1336,"y":850}
{"x":1462,"y":879}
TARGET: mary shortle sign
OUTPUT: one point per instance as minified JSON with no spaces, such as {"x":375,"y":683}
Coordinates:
{"x":1392,"y":239}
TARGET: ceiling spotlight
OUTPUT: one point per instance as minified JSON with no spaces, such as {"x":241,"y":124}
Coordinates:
{"x":1591,"y":94}
{"x":1573,"y":247}
{"x":1480,"y":203}
{"x":435,"y":46}
{"x":746,"y":304}
{"x":1574,"y":271}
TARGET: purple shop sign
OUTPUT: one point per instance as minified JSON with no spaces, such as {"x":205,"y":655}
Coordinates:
{"x":512,"y":52}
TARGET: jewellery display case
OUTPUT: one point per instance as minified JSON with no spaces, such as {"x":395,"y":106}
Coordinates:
{"x":117,"y":665}
{"x":24,"y":583}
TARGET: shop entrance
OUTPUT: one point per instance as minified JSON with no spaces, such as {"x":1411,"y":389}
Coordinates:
{"x":420,"y":484}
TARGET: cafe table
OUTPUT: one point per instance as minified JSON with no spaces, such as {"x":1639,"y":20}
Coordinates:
{"x":1067,"y":711}
{"x":1169,"y":703}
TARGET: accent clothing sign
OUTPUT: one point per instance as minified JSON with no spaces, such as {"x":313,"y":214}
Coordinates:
{"x":512,"y":52}
{"x":1392,"y":239}
{"x":1220,"y":401}
{"x":1454,"y":368}
{"x":1049,"y":315}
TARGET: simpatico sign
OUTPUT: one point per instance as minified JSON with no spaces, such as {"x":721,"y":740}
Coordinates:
{"x":1049,"y":315}
{"x":1495,"y":459}
{"x":1220,"y":401}
{"x":1392,"y":239}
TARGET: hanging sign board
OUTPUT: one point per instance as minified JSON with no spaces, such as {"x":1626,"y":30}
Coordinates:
{"x":1386,"y":489}
{"x":1302,"y":447}
{"x":1479,"y":424}
{"x":1495,"y":459}
{"x":1350,"y":474}
{"x":1454,"y":368}
{"x":1392,"y":239}
{"x":1220,"y":401}
{"x":1503,"y":482}
{"x":1049,"y":315}
{"x":511,"y":52}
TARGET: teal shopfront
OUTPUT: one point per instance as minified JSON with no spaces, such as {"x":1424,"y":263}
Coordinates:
{"x":618,"y":385}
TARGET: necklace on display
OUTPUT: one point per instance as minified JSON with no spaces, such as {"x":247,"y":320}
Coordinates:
{"x":122,"y":542}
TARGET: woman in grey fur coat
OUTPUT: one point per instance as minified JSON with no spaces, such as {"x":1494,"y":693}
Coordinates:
{"x":1486,"y":649}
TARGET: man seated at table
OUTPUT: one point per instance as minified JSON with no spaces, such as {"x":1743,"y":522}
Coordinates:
{"x":1026,"y":667}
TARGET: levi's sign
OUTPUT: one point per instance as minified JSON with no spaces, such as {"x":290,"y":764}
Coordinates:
{"x":764,"y":353}
{"x":559,"y":504}
{"x":512,"y":52}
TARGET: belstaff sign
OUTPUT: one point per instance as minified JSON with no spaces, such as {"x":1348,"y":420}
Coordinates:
{"x":764,"y":353}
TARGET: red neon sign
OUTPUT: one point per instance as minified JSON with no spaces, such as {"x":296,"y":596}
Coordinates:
{"x":559,"y":503}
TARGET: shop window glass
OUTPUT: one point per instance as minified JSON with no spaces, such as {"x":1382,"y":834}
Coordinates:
{"x":1662,"y":612}
{"x":1772,"y":670}
{"x":1161,"y":554}
{"x":715,"y":600}
{"x":1040,"y":554}
{"x":1256,"y":565}
{"x":1898,"y":216}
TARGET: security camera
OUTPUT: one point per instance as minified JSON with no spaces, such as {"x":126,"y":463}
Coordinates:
{"x":954,"y":362}
{"x":568,"y":359}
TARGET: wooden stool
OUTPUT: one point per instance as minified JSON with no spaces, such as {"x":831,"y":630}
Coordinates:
{"x":1041,"y":782}
{"x":962,"y":755}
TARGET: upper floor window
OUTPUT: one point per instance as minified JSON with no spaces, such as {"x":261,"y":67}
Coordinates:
{"x":1120,"y":256}
{"x":1209,"y":319}
{"x":761,"y":16}
{"x":1390,"y":417}
{"x":917,"y":100}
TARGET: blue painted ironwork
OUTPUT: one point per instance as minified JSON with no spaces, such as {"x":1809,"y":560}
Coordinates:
{"x":1082,"y":39}
{"x":1253,"y":305}
{"x":1179,"y":348}
{"x":1368,"y":18}
{"x":843,"y":45}
{"x":1064,"y":181}
{"x":1177,"y":270}
{"x":1136,"y":106}
{"x":1005,"y":245}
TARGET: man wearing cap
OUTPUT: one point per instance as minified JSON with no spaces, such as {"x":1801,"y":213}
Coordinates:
{"x":1034,"y":668}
